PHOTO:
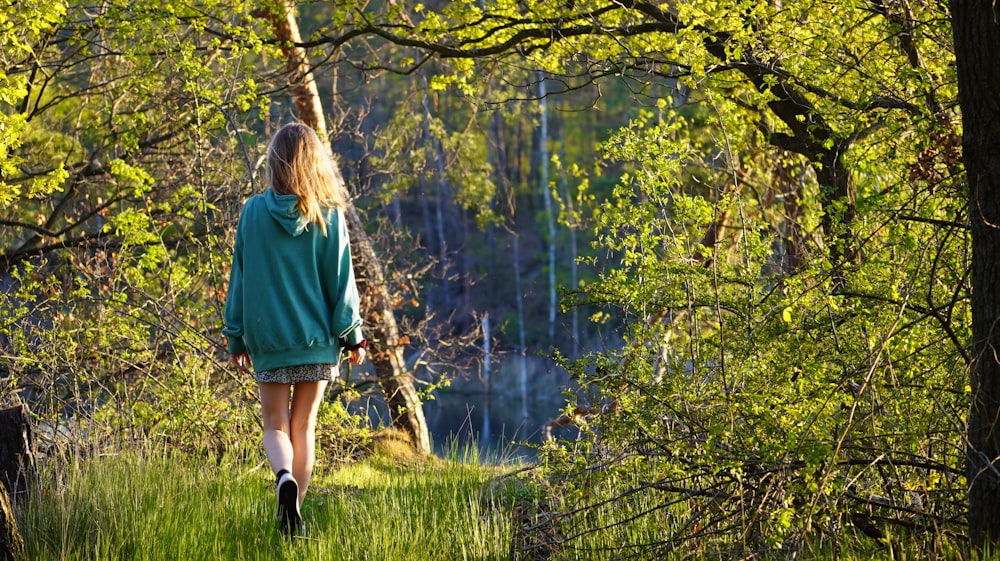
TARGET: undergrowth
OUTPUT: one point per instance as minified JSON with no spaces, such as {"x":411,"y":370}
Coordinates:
{"x":154,"y":506}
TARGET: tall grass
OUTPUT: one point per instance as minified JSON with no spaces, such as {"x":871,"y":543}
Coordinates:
{"x":622,"y":524}
{"x":152,"y":507}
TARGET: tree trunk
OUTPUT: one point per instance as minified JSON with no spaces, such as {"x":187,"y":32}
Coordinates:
{"x":386,"y":352}
{"x":495,"y":157}
{"x":17,"y":451}
{"x":17,"y":468}
{"x":441,"y":198}
{"x":977,"y":50}
{"x":550,"y":219}
{"x":430,"y":304}
{"x":522,"y":347}
{"x":11,"y":541}
{"x":835,"y":190}
{"x":785,"y":183}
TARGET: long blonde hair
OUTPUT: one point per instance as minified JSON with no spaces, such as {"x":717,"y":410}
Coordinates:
{"x":298,"y":164}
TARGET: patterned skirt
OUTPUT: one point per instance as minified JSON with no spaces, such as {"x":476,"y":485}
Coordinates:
{"x":299,"y":373}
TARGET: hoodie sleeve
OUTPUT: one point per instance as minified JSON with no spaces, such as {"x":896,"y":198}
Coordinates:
{"x":233,"y":329}
{"x":342,"y":290}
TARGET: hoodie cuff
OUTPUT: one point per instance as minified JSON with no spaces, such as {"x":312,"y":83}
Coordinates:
{"x":236,"y":345}
{"x":353,"y":337}
{"x":353,"y":347}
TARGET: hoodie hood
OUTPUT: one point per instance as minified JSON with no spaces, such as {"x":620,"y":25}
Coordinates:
{"x":284,"y":211}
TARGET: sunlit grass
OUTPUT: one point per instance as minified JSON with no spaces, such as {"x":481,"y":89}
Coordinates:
{"x":642,"y":527}
{"x":156,"y":507}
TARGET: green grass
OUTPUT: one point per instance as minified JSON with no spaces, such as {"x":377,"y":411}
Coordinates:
{"x":145,"y":507}
{"x":155,"y":506}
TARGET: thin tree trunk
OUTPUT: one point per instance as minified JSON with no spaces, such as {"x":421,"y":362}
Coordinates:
{"x":487,"y":354}
{"x":465,"y":264}
{"x":440,"y":200}
{"x":397,"y":212}
{"x":550,"y":220}
{"x":522,"y":347}
{"x":442,"y":244}
{"x":387,"y":352}
{"x":430,"y":305}
{"x":498,"y":165}
{"x":977,"y":50}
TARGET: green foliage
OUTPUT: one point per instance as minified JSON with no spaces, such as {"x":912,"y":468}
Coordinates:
{"x":754,"y":409}
{"x":22,"y":31}
{"x":119,"y":187}
{"x":777,"y":218}
{"x":342,"y":436}
{"x":773,"y":392}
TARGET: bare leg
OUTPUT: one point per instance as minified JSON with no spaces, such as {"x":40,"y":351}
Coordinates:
{"x":306,"y":400}
{"x":274,"y":409}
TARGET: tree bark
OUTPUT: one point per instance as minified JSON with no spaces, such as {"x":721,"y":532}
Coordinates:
{"x":543,"y":183}
{"x":977,"y":50}
{"x":17,"y":451}
{"x":836,"y":193}
{"x":522,"y":347}
{"x":440,"y":201}
{"x":17,"y":467}
{"x":794,"y":239}
{"x":386,"y":352}
{"x":11,"y":541}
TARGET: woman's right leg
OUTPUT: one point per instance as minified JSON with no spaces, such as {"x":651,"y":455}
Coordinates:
{"x":306,"y":399}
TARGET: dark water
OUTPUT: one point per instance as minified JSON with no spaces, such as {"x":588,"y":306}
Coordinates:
{"x":496,"y":424}
{"x":504,"y":423}
{"x":503,"y":419}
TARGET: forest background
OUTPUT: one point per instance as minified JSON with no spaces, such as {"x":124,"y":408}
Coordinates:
{"x":742,"y":229}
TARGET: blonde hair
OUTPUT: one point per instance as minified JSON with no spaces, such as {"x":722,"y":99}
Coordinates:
{"x":298,"y":164}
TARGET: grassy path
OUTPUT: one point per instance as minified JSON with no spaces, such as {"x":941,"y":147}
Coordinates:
{"x":132,"y":508}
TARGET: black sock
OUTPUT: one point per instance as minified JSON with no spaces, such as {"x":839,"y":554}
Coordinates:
{"x":280,"y":473}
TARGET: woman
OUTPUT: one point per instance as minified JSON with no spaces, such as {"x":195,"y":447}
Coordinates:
{"x":292,"y":304}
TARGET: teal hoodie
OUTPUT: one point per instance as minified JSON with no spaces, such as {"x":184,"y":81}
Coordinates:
{"x":292,"y":295}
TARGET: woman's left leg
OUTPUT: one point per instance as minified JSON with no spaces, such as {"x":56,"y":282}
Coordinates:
{"x":280,"y":452}
{"x":306,"y":399}
{"x":277,"y":435}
